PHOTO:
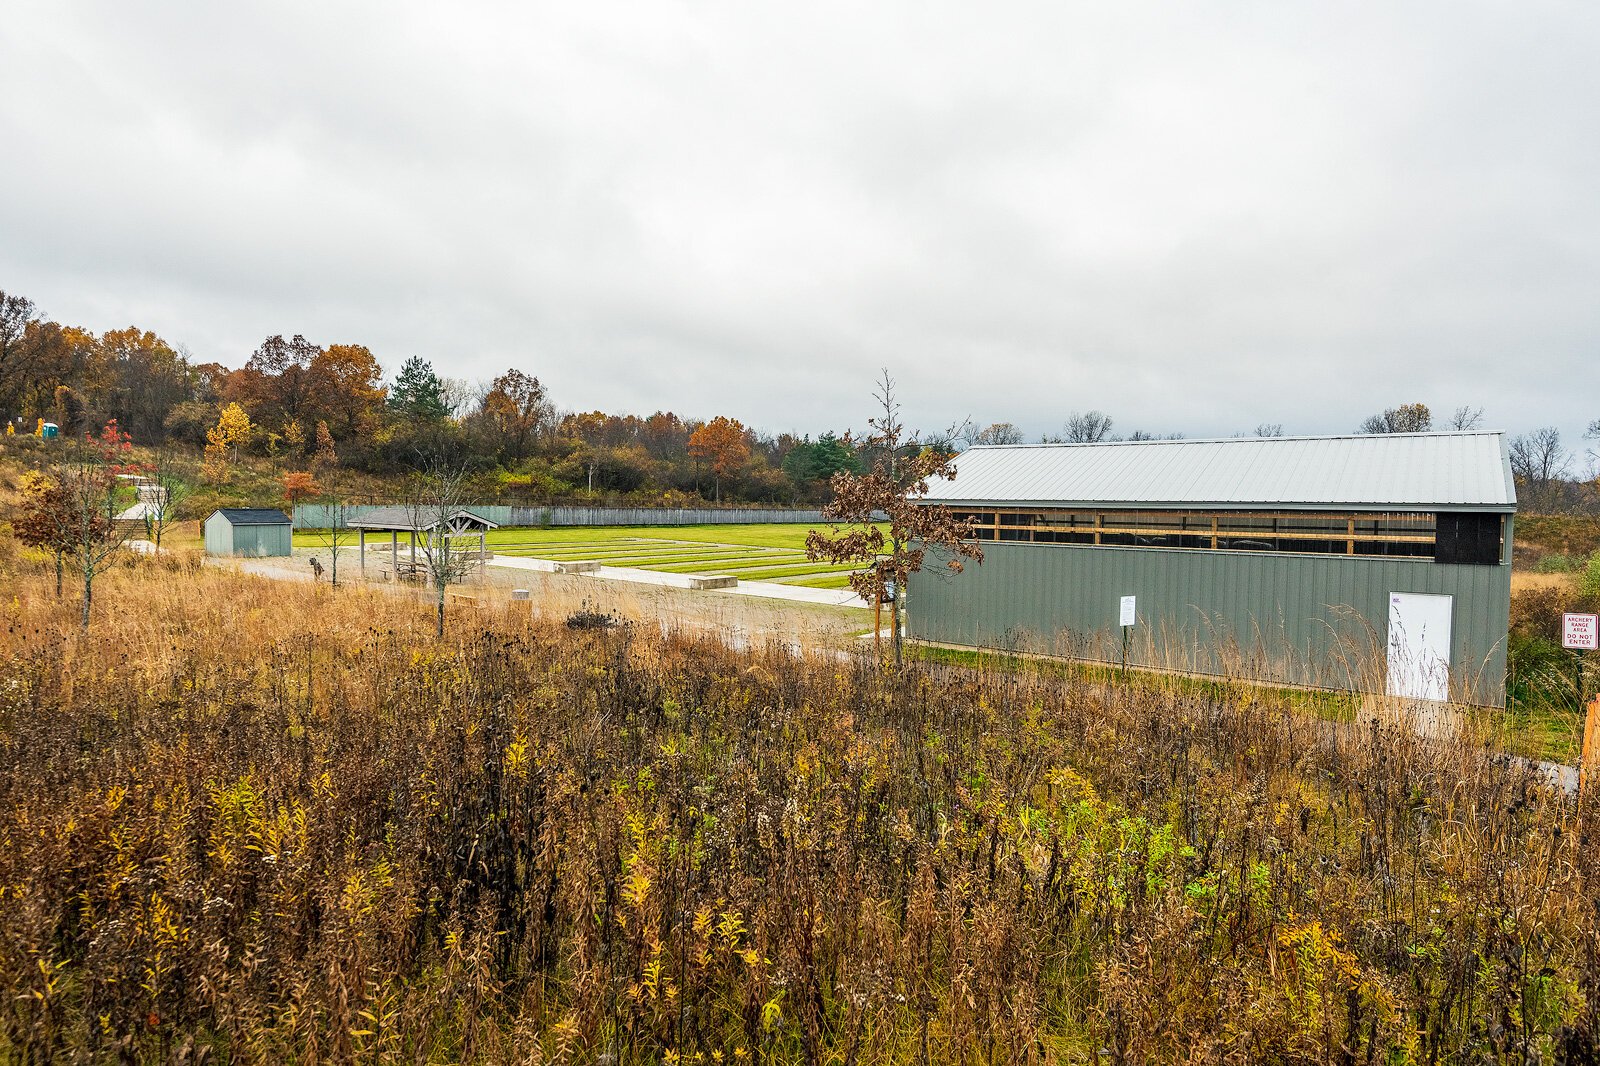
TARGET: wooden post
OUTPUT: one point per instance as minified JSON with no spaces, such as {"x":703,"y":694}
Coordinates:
{"x":1591,"y":725}
{"x":877,"y":612}
{"x":361,"y":535}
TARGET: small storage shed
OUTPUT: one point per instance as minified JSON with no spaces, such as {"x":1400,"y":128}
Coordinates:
{"x":252,"y":531}
{"x":1373,"y":563}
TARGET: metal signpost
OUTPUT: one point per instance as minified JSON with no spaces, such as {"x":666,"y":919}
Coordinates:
{"x":1128,"y":616}
{"x":1580,"y":633}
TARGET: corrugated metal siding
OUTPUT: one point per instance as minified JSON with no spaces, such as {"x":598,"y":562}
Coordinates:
{"x":1302,"y":619}
{"x":263,"y":540}
{"x":1397,"y":470}
{"x":223,"y":538}
{"x":219,"y":539}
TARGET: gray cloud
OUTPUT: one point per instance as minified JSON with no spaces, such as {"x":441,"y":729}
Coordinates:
{"x":1195,"y":217}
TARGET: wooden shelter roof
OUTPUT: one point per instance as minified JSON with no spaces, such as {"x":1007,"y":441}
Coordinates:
{"x":410,"y":520}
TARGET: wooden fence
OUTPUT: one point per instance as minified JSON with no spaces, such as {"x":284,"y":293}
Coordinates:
{"x":317,"y":516}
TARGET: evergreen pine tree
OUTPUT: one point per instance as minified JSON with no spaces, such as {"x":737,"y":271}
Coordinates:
{"x":417,"y":392}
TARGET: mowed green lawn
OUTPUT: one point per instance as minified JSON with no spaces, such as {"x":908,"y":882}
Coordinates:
{"x":749,"y":552}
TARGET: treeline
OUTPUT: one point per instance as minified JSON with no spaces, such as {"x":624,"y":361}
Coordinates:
{"x":300,"y":403}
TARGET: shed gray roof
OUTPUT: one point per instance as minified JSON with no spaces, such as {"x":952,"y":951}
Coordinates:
{"x":405,"y":519}
{"x":1420,"y":471}
{"x":253,"y":516}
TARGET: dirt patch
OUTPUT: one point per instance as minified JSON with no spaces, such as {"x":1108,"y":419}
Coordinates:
{"x":742,"y":619}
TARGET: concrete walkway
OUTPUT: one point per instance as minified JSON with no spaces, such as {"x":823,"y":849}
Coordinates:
{"x":766,"y":589}
{"x":845,"y":597}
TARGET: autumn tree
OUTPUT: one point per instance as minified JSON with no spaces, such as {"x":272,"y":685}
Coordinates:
{"x":44,"y":520}
{"x":1407,"y":418}
{"x":148,"y":378}
{"x":39,"y":357}
{"x":70,"y":409}
{"x":233,"y":429}
{"x":189,"y":421}
{"x":277,"y":383}
{"x":89,"y":476}
{"x":892,"y":548}
{"x":995,"y":433}
{"x":516,"y":407}
{"x":299,"y":486}
{"x":720,"y":443}
{"x":347,"y":386}
{"x":19,"y":357}
{"x":324,"y":455}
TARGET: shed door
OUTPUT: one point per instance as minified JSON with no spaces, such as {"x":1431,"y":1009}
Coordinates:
{"x":1419,"y":646}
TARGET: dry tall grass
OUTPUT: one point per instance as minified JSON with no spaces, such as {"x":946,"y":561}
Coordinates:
{"x":256,"y":822}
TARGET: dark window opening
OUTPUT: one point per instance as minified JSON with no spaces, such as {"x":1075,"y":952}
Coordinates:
{"x":1470,"y":537}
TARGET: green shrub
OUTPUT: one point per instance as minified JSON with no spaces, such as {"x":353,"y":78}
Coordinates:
{"x":1589,"y":583}
{"x":1536,"y":612}
{"x":1557,"y":563}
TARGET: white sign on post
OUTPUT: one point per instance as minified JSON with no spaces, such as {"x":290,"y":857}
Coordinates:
{"x":1129,"y":614}
{"x":1580,"y":632}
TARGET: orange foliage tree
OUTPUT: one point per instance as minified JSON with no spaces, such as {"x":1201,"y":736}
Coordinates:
{"x":44,"y":519}
{"x":516,"y":407}
{"x":300,"y":485}
{"x":345,"y":382}
{"x":324,"y":454}
{"x":721,"y":444}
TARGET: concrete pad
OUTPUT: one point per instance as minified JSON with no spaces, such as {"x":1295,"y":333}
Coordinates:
{"x":648,"y":577}
{"x":724,"y":584}
{"x":845,"y":597}
{"x":513,"y":562}
{"x":546,"y":566}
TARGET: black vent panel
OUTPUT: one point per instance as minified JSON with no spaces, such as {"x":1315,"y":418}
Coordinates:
{"x":1471,"y":537}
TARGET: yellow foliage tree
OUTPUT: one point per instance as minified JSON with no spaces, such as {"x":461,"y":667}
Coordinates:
{"x":233,"y":428}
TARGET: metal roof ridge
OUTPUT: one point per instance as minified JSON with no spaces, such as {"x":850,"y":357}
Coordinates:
{"x":1236,"y":440}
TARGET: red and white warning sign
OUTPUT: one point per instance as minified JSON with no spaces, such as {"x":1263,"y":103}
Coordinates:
{"x":1580,"y":632}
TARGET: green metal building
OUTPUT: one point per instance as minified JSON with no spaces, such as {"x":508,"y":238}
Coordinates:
{"x":1375,"y":563}
{"x":254,"y":531}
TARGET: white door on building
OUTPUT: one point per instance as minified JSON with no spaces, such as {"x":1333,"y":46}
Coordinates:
{"x":1419,"y":646}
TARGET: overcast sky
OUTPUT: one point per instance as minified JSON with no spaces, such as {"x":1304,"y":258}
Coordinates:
{"x":1196,"y":217}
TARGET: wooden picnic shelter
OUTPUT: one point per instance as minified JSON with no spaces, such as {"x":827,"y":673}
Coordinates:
{"x":397,"y":520}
